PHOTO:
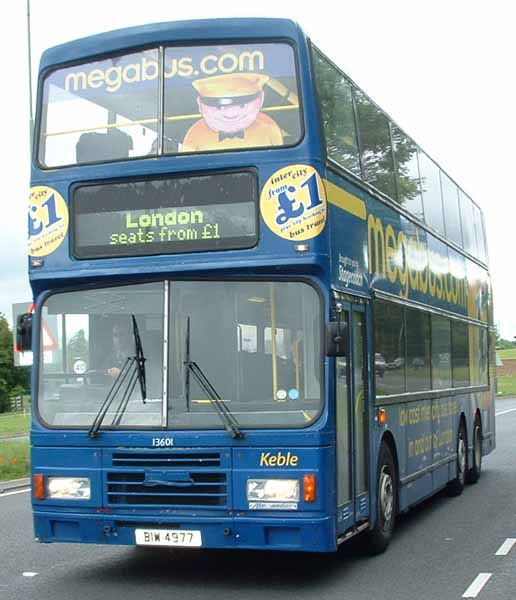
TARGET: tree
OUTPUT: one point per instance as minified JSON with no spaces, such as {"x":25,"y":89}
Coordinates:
{"x":12,"y":379}
{"x":502,"y":344}
{"x":77,"y":348}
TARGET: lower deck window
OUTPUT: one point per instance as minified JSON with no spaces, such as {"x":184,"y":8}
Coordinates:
{"x":416,"y":351}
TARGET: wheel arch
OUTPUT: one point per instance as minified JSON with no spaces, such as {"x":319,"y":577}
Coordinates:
{"x":463,"y":421}
{"x":388,"y":439}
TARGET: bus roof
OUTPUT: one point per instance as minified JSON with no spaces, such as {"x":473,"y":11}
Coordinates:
{"x":177,"y":31}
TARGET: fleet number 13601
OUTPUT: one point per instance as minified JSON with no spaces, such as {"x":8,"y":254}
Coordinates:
{"x":162,"y":442}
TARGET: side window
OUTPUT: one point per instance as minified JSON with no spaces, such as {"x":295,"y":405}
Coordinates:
{"x":418,"y":350}
{"x":474,"y":354}
{"x":460,"y":354}
{"x":78,"y":345}
{"x":468,"y":224}
{"x":479,"y":235}
{"x":431,"y":186}
{"x":338,"y":115}
{"x":375,"y":146}
{"x":284,"y":342}
{"x":441,"y":353}
{"x":451,"y":209}
{"x":439,"y":265}
{"x":247,"y":338}
{"x":484,"y":356}
{"x":407,"y":173}
{"x":478,"y":354}
{"x":389,"y":355}
{"x":458,"y":280}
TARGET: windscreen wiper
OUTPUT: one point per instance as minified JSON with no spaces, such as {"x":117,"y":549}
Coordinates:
{"x":132,"y":371}
{"x":228,"y":419}
{"x":125,"y":380}
{"x":139,"y":373}
{"x":140,"y":360}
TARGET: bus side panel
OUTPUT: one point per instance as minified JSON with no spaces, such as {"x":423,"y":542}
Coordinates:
{"x":444,"y":434}
{"x":425,"y":435}
{"x":487,"y":416}
{"x":348,"y":235}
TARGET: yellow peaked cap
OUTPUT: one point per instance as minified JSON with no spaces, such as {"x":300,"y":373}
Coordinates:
{"x":231,"y":85}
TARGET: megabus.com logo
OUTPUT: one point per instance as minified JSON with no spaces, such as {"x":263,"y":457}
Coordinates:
{"x":147,"y":69}
{"x":407,"y":262}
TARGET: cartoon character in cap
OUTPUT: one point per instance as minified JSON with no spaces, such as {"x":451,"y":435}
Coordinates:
{"x":230,"y":107}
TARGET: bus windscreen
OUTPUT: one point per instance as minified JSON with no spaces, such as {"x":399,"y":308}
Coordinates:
{"x":165,"y":216}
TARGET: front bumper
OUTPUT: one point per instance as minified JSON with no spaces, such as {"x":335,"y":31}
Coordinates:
{"x":310,"y":535}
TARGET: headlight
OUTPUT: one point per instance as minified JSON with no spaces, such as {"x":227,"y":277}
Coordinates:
{"x":69,"y":488}
{"x":273,"y":490}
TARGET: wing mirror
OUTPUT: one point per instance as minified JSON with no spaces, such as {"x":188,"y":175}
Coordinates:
{"x":337,"y":335}
{"x":24,"y":332}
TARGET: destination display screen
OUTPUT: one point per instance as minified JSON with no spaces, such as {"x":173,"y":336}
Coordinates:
{"x":166,"y":216}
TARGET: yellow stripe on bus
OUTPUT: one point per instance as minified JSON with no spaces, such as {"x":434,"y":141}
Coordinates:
{"x":339,"y":197}
{"x":153,"y":120}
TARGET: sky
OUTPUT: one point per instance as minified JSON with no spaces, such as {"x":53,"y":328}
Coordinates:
{"x":443,"y":70}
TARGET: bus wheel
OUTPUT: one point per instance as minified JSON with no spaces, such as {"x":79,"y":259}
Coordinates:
{"x":380,"y":535}
{"x":456,"y":486}
{"x":474,"y":472}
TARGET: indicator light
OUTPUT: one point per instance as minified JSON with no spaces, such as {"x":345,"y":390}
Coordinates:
{"x":382,"y":416}
{"x":309,"y":488}
{"x":39,"y":487}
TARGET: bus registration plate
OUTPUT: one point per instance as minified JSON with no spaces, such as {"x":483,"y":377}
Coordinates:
{"x":168,"y":537}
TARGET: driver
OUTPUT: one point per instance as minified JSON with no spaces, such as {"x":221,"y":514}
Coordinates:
{"x":122,"y":349}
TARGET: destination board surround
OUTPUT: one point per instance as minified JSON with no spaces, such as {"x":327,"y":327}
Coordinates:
{"x":165,"y":216}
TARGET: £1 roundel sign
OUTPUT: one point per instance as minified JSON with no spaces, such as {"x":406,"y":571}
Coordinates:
{"x":293,"y":203}
{"x":48,"y":220}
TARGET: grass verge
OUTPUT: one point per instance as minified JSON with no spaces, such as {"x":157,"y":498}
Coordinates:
{"x":14,"y":459}
{"x":506,"y":385}
{"x":14,"y":423}
{"x":507,"y":354}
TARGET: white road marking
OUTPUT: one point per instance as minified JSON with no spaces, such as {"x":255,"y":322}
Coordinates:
{"x":476,"y":587}
{"x":506,"y":547}
{"x":29,"y":574}
{"x":13,"y":493}
{"x":505,"y":412}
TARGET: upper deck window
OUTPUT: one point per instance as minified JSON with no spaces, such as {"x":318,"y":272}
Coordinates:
{"x":361,"y":138}
{"x":230,"y":97}
{"x":338,"y":114}
{"x":101,"y":111}
{"x":222,"y":97}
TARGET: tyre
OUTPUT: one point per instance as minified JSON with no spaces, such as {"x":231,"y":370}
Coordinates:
{"x":476,"y":467}
{"x":378,"y":538}
{"x":456,"y":486}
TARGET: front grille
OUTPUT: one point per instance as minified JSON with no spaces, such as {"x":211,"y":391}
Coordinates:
{"x":182,"y":479}
{"x":206,"y":489}
{"x":166,"y":459}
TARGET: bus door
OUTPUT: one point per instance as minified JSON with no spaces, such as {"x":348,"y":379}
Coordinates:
{"x":351,"y":422}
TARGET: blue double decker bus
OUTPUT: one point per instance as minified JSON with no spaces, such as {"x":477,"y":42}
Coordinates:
{"x":263,"y":314}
